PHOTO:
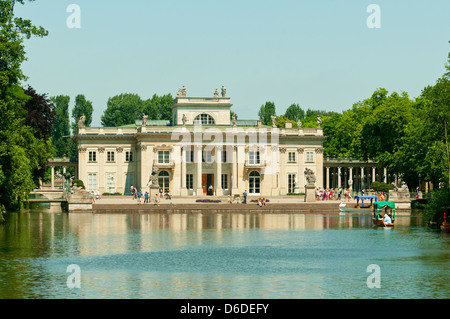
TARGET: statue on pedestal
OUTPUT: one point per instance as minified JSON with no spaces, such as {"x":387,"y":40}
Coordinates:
{"x":224,"y":91}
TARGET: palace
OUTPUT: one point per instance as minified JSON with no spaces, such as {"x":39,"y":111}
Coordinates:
{"x":203,"y":150}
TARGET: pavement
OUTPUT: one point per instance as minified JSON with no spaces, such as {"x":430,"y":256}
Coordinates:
{"x":278,"y":204}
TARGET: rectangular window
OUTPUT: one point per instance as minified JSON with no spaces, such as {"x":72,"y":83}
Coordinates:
{"x":224,"y":156}
{"x":110,"y":156}
{"x":128,"y":156}
{"x":163,"y":157}
{"x":92,"y":182}
{"x":189,"y":157}
{"x":189,"y":181}
{"x":110,"y":183}
{"x":224,"y":181}
{"x":310,"y":157}
{"x":207,"y":157}
{"x":291,"y":183}
{"x":253,"y":157}
{"x":92,"y":156}
{"x":291,"y":157}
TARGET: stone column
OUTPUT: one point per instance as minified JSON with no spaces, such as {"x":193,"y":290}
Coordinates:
{"x":385,"y":174}
{"x":218,"y":171}
{"x":363,"y":183}
{"x":283,"y":177}
{"x":183,"y":191}
{"x":234,"y":177}
{"x":301,"y":177}
{"x":374,"y":173}
{"x":339,"y":177}
{"x":53,"y":177}
{"x":198,"y":182}
{"x":328,"y":177}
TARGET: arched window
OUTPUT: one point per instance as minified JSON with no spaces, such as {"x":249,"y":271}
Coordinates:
{"x":204,"y":119}
{"x":163,"y":180}
{"x":254,"y":183}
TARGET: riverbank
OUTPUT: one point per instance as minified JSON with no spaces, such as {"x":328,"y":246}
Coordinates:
{"x":190,"y":205}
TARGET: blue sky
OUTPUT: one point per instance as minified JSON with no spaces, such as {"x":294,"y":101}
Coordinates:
{"x":319,"y":54}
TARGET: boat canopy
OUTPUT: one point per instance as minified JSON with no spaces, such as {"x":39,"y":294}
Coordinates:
{"x":383,"y":204}
{"x":372,"y":198}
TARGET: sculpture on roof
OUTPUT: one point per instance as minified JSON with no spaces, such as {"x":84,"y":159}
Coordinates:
{"x":81,"y":121}
{"x":216,"y":93}
{"x":224,"y":91}
{"x":274,"y":119}
{"x":144,"y":119}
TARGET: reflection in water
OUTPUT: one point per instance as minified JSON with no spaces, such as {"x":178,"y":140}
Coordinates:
{"x":232,"y":255}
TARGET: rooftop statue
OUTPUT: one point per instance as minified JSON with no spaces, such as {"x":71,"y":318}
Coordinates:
{"x":81,"y":121}
{"x":224,"y":91}
{"x":216,"y":93}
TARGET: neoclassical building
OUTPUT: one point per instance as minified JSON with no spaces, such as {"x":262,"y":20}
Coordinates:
{"x":203,"y":150}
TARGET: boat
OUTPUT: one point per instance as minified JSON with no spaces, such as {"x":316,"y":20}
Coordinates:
{"x":381,"y":208}
{"x":344,"y":209}
{"x":359,"y":207}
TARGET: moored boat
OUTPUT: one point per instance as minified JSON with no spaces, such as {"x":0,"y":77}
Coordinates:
{"x":383,"y":214}
{"x":359,"y":207}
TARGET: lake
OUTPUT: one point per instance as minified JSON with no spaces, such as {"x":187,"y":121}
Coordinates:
{"x":220,"y":256}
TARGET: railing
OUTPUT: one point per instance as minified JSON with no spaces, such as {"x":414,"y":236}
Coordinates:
{"x":170,"y":164}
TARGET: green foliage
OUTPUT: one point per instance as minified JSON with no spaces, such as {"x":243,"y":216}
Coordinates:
{"x":381,"y":187}
{"x":438,"y":203}
{"x":125,"y":109}
{"x":122,"y":109}
{"x":82,"y":107}
{"x":23,"y":148}
{"x":158,"y":107}
{"x":265,"y":113}
{"x":61,"y":128}
{"x":78,"y":183}
{"x":294,"y":112}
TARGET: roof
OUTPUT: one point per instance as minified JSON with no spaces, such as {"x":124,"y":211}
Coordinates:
{"x":383,"y":204}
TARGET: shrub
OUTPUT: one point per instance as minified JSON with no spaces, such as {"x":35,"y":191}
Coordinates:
{"x":79,"y":183}
{"x":438,"y":203}
{"x":208,"y":201}
{"x":381,"y":187}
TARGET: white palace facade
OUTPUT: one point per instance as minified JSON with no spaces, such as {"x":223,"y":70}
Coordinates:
{"x":202,"y":151}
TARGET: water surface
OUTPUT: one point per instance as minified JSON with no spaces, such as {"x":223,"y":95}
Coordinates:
{"x":232,"y":255}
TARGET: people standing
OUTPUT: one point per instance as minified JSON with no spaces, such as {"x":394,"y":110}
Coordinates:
{"x":245,"y":197}
{"x":139,"y":195}
{"x":156,"y":200}
{"x":146,"y":198}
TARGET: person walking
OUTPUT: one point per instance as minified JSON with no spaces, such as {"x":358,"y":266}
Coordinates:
{"x":139,"y":195}
{"x":156,"y":200}
{"x":245,"y":197}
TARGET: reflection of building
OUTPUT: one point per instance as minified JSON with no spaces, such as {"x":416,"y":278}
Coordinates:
{"x":201,"y":148}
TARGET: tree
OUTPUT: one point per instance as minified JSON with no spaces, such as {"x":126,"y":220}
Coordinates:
{"x":61,"y":128}
{"x":158,"y":107}
{"x":294,"y":112}
{"x":20,"y":150}
{"x":266,"y":112}
{"x":40,"y":116}
{"x":122,"y":109}
{"x":82,"y":107}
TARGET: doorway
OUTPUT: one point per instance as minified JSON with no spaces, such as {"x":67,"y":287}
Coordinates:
{"x":208,"y":184}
